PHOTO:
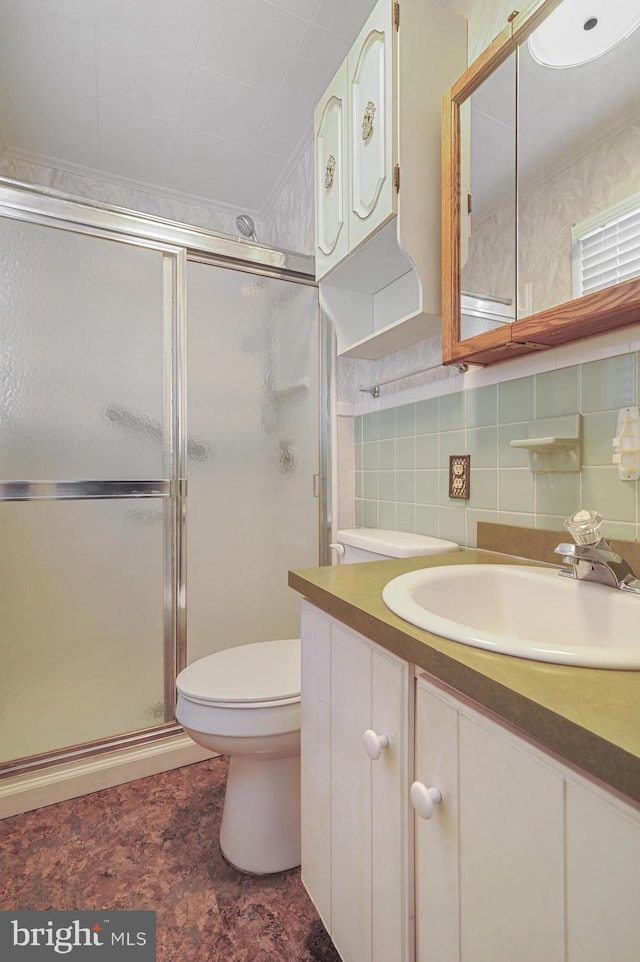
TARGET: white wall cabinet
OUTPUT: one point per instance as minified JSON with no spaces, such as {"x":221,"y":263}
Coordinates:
{"x":331,"y":177}
{"x":355,"y":149}
{"x":356,"y":827}
{"x":377,"y":134}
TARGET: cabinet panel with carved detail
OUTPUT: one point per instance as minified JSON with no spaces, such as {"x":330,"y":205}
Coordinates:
{"x":330,"y":144}
{"x":371,"y":144}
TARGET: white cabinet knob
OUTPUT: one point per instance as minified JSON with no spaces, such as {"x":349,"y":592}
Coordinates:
{"x":423,"y":799}
{"x":374,"y":744}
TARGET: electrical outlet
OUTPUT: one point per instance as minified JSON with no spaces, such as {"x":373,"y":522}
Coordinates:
{"x":459,"y":475}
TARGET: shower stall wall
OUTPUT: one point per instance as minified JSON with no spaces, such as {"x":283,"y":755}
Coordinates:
{"x":101,"y":476}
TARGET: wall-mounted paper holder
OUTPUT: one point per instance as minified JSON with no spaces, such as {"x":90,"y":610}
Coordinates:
{"x":553,"y":444}
{"x":626,"y":444}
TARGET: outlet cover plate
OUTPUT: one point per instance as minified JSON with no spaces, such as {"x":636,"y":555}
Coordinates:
{"x":459,"y":476}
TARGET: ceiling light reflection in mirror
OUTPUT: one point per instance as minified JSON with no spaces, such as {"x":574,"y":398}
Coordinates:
{"x":576,"y":33}
{"x":578,"y":154}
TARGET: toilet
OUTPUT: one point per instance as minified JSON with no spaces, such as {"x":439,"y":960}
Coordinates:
{"x":244,"y":702}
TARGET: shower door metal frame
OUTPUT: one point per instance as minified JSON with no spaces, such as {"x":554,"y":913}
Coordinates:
{"x":171,"y":489}
{"x":178,"y":243}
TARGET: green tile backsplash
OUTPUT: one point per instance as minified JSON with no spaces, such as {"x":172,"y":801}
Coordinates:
{"x":609,"y":384}
{"x":516,"y":400}
{"x":402,"y":455}
{"x":558,"y":392}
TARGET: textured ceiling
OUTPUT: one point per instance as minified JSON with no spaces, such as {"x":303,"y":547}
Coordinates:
{"x":212,"y":99}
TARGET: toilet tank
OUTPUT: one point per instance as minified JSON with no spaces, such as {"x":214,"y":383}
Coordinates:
{"x":375,"y":544}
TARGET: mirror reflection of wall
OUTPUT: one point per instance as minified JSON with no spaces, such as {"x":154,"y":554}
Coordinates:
{"x":578,"y":153}
{"x":488,"y":274}
{"x":577,"y":139}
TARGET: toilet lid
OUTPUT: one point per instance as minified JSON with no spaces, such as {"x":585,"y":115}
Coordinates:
{"x":265,"y":672}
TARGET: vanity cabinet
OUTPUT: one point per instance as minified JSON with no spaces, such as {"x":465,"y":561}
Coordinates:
{"x":523,"y":858}
{"x":356,"y":817}
{"x":377,"y":177}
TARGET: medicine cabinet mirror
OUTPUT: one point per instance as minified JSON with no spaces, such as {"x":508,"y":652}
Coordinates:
{"x":541,"y":184}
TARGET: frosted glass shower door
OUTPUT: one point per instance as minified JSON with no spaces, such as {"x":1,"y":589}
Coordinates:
{"x":86,"y":455}
{"x":252,"y":402}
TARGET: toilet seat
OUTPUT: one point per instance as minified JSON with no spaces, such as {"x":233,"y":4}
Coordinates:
{"x":249,"y":694}
{"x":265,"y":674}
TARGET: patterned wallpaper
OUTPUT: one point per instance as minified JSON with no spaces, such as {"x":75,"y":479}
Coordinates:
{"x":486,"y":19}
{"x":289,"y":221}
{"x":604,"y":176}
{"x":83,"y":185}
{"x":288,"y":224}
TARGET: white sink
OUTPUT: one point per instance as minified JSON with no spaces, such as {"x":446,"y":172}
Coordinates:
{"x":522,"y":610}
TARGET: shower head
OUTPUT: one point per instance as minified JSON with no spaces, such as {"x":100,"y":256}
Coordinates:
{"x":247,"y":228}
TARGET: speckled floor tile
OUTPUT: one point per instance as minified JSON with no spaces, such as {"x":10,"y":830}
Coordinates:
{"x":152,"y":844}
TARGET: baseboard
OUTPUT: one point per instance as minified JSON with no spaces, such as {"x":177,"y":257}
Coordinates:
{"x":23,"y":793}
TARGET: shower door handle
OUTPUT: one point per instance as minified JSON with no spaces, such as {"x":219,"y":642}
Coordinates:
{"x":82,"y":490}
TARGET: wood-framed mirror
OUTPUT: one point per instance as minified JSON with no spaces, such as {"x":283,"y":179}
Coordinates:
{"x":541,"y":186}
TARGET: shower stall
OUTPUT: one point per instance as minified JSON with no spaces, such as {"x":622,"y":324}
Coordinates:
{"x":162,"y":464}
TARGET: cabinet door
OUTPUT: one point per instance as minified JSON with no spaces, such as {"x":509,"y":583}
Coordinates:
{"x":511,"y":843}
{"x":370,"y":825}
{"x":330,"y":138}
{"x":391,"y":821}
{"x":356,"y":826}
{"x":350,"y":797}
{"x":371,"y":125}
{"x":315,"y":738}
{"x":603,"y":876}
{"x":490,"y":871}
{"x":437,"y":894}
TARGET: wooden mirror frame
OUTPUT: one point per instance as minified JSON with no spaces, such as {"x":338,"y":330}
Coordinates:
{"x":594,"y":313}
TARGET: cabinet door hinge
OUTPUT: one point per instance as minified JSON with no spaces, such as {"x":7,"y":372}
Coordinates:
{"x":396,"y":177}
{"x":396,"y":15}
{"x":468,"y":203}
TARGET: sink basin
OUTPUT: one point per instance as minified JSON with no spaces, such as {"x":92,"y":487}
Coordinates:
{"x":522,"y":610}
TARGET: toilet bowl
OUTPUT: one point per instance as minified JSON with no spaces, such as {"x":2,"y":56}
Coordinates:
{"x":244,"y":702}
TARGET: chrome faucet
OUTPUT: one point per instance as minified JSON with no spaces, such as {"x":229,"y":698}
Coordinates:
{"x":591,"y":558}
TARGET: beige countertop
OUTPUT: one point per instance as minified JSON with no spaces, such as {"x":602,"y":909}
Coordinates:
{"x":588,"y":716}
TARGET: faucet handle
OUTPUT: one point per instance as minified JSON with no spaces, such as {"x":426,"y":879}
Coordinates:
{"x":568,"y":552}
{"x":584,"y":527}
